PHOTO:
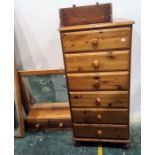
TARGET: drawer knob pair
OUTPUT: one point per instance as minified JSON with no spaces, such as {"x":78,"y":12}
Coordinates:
{"x":96,"y":64}
{"x":99,"y":132}
{"x":94,"y":43}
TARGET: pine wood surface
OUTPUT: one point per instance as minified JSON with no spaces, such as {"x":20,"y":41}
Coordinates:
{"x":98,"y":99}
{"x":104,"y":39}
{"x":97,"y":61}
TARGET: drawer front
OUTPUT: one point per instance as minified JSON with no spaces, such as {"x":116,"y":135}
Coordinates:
{"x":60,"y":124}
{"x":116,"y":38}
{"x":98,"y":81}
{"x":48,"y":124}
{"x":97,"y":61}
{"x":107,"y":116}
{"x":38,"y":125}
{"x":101,"y":131}
{"x":106,"y":99}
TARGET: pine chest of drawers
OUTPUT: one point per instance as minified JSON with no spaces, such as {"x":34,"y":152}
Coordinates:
{"x":97,"y":64}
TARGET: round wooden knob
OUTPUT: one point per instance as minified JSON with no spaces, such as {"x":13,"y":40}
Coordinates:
{"x":37,"y":125}
{"x":99,"y":116}
{"x":99,"y":132}
{"x":83,"y":19}
{"x":61,"y":124}
{"x":95,"y":42}
{"x":96,"y":64}
{"x":123,"y":39}
{"x":96,"y":83}
{"x":98,"y":101}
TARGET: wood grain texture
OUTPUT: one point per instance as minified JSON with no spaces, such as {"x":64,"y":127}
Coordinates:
{"x":97,"y":61}
{"x":48,"y":114}
{"x":24,"y":97}
{"x":20,"y":131}
{"x":43,"y":119}
{"x":40,"y":72}
{"x":108,"y":131}
{"x":98,"y":81}
{"x":50,"y":106}
{"x":106,"y":99}
{"x":100,"y":115}
{"x":48,"y":124}
{"x":86,"y":14}
{"x":116,"y":38}
{"x":114,"y":24}
{"x":116,"y":141}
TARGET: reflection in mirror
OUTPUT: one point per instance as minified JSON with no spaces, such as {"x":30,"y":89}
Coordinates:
{"x":49,"y":88}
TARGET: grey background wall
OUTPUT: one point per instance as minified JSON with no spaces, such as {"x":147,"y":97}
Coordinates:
{"x":37,"y":40}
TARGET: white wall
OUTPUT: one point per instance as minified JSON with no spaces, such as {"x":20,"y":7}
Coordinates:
{"x":37,"y":41}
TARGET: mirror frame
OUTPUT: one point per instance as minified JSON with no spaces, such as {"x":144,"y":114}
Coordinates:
{"x":28,"y":107}
{"x":20,"y":131}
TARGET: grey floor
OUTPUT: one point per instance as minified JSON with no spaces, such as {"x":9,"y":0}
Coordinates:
{"x":60,"y":143}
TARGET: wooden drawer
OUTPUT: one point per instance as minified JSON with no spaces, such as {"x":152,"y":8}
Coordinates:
{"x":107,"y":99}
{"x":48,"y":124}
{"x":103,"y":39}
{"x":37,"y":124}
{"x":100,"y":115}
{"x":60,"y":124}
{"x":101,"y":131}
{"x":98,"y":81}
{"x":48,"y":118}
{"x":97,"y":61}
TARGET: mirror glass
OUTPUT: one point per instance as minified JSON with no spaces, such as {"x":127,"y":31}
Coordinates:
{"x":46,"y":88}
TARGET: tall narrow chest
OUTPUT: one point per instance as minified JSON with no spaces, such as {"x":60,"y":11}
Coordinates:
{"x":97,"y":62}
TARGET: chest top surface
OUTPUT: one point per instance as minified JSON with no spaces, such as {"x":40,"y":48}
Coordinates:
{"x":115,"y":23}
